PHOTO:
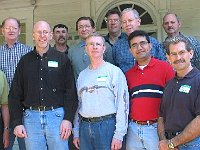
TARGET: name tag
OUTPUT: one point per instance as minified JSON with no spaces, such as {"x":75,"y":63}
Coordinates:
{"x":53,"y":64}
{"x":102,"y":78}
{"x":185,"y":88}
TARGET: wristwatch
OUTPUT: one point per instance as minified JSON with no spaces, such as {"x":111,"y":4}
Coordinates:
{"x":170,"y":145}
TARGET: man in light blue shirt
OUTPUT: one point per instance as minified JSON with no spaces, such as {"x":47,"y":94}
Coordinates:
{"x":77,"y":55}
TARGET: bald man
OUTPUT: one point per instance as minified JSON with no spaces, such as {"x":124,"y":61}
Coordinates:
{"x":44,"y":88}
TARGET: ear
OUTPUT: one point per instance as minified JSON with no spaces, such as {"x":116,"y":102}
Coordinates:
{"x":2,"y":30}
{"x":191,"y":52}
{"x":139,"y":21}
{"x":150,"y":46}
{"x":168,"y":58}
{"x":51,"y":35}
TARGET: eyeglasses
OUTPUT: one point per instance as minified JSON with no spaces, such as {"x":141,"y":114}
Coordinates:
{"x":42,"y":32}
{"x":95,"y":44}
{"x":81,"y":27}
{"x":7,"y":29}
{"x":180,"y":53}
{"x":142,"y":44}
{"x":109,"y":21}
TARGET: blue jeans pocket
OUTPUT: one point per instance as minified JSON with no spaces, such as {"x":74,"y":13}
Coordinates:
{"x":26,"y":113}
{"x":59,"y":112}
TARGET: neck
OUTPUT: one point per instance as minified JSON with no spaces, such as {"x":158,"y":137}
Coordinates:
{"x":10,"y":43}
{"x":41,"y":51}
{"x":114,"y":36}
{"x":144,"y":61}
{"x":183,"y":73}
{"x":173,"y":35}
{"x":61,"y":47}
{"x":95,"y":64}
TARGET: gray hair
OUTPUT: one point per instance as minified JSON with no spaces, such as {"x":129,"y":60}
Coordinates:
{"x":175,"y":40}
{"x":171,"y":13}
{"x":95,"y":34}
{"x":135,"y":12}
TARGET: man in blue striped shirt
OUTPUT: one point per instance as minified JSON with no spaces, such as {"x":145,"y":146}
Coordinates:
{"x":121,"y":54}
{"x":10,"y":53}
{"x":172,"y":25}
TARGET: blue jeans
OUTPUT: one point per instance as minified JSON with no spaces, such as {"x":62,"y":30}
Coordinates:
{"x":142,"y":137}
{"x":96,"y":135}
{"x":43,"y":130}
{"x":193,"y":145}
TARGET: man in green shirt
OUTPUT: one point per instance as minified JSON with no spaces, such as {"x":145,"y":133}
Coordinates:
{"x":4,"y":134}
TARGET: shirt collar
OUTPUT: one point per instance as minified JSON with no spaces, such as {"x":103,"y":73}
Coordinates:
{"x":151,"y":63}
{"x":15,"y":43}
{"x":190,"y":74}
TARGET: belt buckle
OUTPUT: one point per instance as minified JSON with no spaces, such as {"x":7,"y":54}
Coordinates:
{"x":41,"y":108}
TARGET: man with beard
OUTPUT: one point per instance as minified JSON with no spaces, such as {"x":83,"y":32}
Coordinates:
{"x":172,"y":25}
{"x":60,"y":35}
{"x":179,"y":118}
{"x":43,"y":95}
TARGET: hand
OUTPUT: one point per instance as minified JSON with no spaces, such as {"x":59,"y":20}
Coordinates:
{"x":6,"y":138}
{"x":163,"y":145}
{"x":20,"y":131}
{"x":65,"y":129}
{"x":76,"y":142}
{"x":116,"y":144}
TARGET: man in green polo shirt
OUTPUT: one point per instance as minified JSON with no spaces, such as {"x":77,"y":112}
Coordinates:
{"x":4,"y":125}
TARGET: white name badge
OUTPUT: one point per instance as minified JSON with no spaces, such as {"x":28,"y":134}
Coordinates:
{"x":102,"y":78}
{"x":185,"y":88}
{"x":53,"y":64}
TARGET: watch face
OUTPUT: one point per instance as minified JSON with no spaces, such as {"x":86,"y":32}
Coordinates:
{"x":171,"y":145}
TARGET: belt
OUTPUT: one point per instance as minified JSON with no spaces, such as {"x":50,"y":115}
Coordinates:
{"x":96,"y":119}
{"x":170,"y":135}
{"x":148,"y":122}
{"x":42,"y":108}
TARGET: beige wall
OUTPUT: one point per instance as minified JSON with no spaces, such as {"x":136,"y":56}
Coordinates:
{"x":68,"y":11}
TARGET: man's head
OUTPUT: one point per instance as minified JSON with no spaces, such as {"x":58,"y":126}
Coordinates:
{"x":84,"y":27}
{"x":130,"y":20}
{"x":42,"y":35}
{"x":95,"y":46}
{"x":60,"y":34}
{"x":171,"y":24}
{"x":140,"y":45}
{"x":113,"y":21}
{"x":179,"y":52}
{"x":11,"y":29}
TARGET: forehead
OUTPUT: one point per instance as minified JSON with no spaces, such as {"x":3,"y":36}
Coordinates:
{"x":138,"y":39}
{"x":170,"y":17}
{"x":95,"y":39}
{"x":42,"y":26}
{"x":177,"y":47}
{"x":60,"y":29}
{"x":113,"y":16}
{"x":9,"y":22}
{"x":83,"y":22}
{"x":128,"y":15}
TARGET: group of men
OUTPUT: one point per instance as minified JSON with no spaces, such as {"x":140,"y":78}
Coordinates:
{"x":121,"y":87}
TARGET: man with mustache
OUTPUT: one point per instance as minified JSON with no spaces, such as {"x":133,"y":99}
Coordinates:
{"x":179,"y":118}
{"x":60,"y":35}
{"x":172,"y":25}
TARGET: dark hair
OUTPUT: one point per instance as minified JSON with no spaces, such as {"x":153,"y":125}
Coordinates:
{"x":137,"y":33}
{"x":60,"y":26}
{"x":175,"y":40}
{"x":112,"y":11}
{"x":4,"y":21}
{"x":85,"y":18}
